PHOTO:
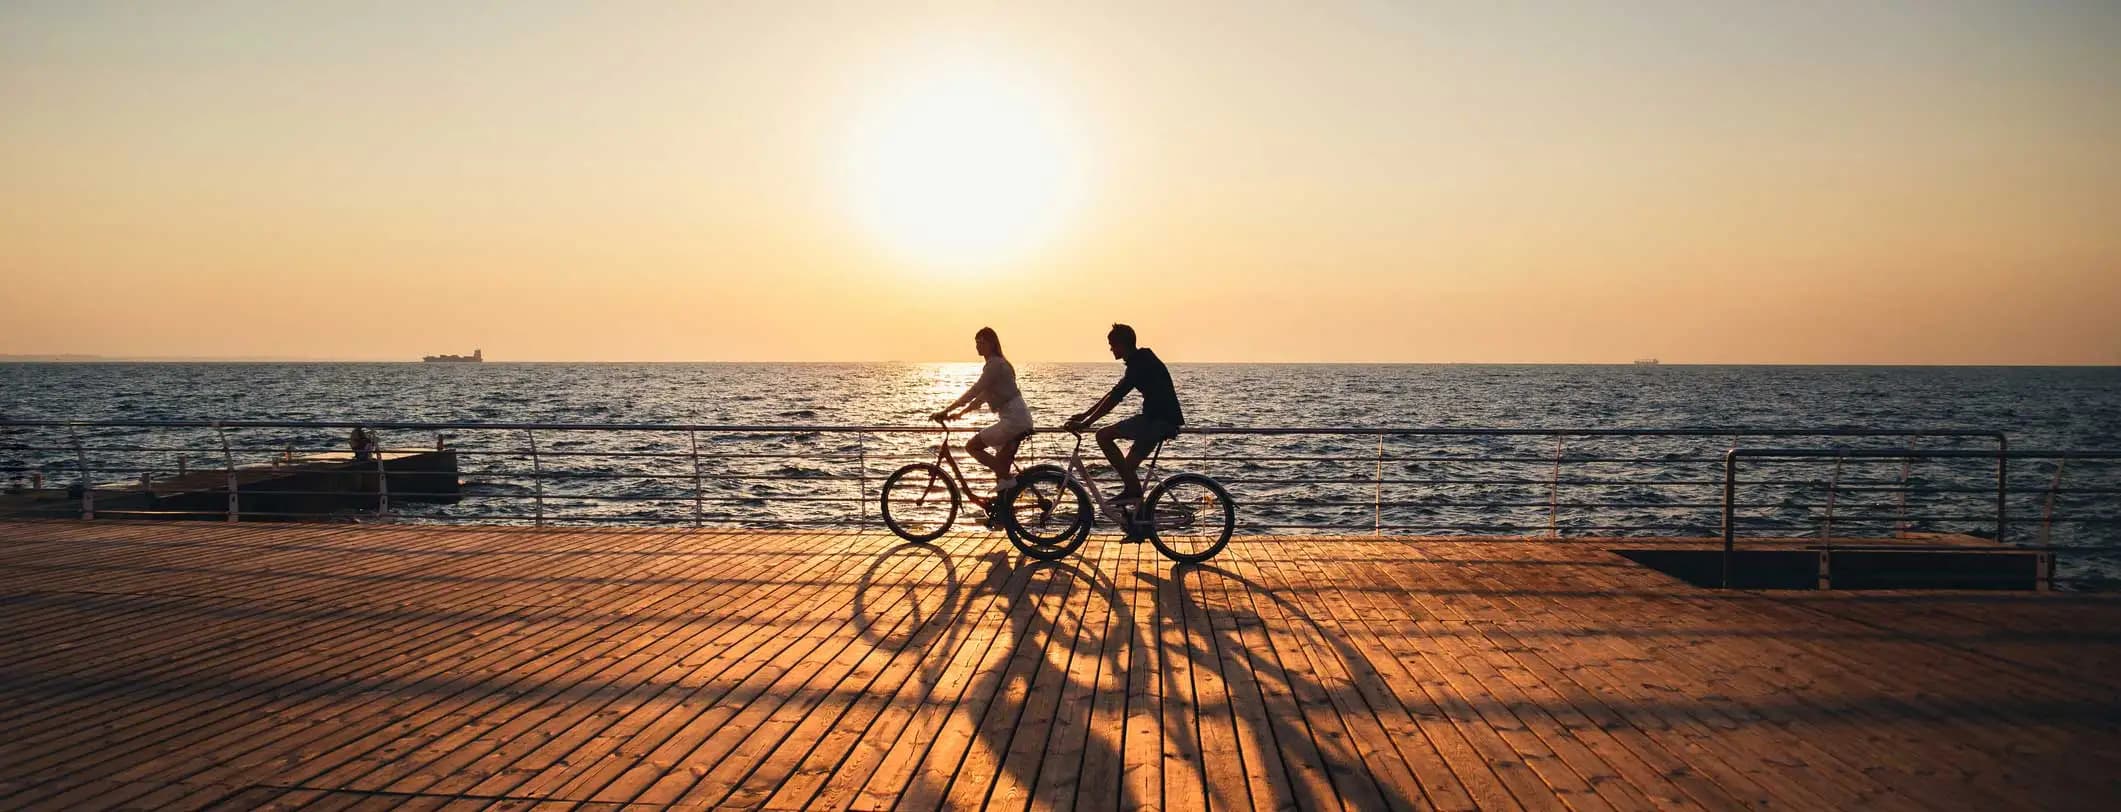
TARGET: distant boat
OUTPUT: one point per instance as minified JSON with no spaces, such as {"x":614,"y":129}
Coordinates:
{"x":476,"y":356}
{"x":1645,"y":362}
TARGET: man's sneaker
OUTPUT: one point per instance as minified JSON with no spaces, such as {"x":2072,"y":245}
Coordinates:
{"x":1003,"y":485}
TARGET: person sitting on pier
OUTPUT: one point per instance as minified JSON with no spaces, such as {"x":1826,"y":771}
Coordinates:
{"x":363,"y":444}
{"x":996,"y":388}
{"x":1159,"y":420}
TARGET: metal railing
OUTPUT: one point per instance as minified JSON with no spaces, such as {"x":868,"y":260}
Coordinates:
{"x":1484,"y":482}
{"x":1906,"y":458}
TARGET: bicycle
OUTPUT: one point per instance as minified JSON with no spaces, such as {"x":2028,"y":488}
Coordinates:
{"x":914,"y":510}
{"x":1189,"y":517}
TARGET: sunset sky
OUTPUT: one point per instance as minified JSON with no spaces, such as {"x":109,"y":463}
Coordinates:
{"x":1913,"y":182}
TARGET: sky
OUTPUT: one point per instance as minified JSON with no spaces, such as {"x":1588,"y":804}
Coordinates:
{"x":1567,"y":182}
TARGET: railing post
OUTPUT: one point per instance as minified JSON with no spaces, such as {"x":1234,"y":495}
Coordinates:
{"x":1378,"y":503}
{"x":1907,"y":466}
{"x":861,"y":479}
{"x":228,"y":462}
{"x":697,"y":484}
{"x":1730,"y":529}
{"x":2047,"y":519}
{"x":2003,"y":463}
{"x":375,"y":446}
{"x":1833,"y":488}
{"x":537,"y":478}
{"x":1554,"y":492}
{"x":88,"y":489}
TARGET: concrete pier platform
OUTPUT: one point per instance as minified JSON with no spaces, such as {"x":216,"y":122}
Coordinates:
{"x":193,"y":665}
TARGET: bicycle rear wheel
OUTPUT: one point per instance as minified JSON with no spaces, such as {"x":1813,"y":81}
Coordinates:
{"x":1047,"y":514}
{"x":1189,"y":517}
{"x":919,"y":502}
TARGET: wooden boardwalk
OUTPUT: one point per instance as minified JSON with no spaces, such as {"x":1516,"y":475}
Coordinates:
{"x":208,"y":665}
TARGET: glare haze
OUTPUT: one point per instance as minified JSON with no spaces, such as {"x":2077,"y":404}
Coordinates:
{"x":1424,"y":182}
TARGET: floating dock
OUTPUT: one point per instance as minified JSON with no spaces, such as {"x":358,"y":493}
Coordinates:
{"x":294,"y":487}
{"x":188,"y":665}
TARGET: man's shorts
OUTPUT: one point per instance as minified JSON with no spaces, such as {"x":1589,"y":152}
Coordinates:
{"x":1143,"y":428}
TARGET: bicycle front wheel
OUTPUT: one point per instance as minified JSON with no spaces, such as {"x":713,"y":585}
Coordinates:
{"x":919,"y":502}
{"x":1189,"y":517}
{"x":1047,"y":514}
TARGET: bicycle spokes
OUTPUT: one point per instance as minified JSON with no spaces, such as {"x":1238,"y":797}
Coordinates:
{"x":1046,"y":514}
{"x":1190,"y":517}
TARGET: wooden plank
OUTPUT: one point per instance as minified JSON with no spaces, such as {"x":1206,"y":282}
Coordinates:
{"x":1034,"y":754}
{"x":817,"y":697}
{"x":849,"y":754}
{"x":1262,"y":780}
{"x":1812,"y":778}
{"x":1746,"y":673}
{"x":1417,"y":581}
{"x":139,"y":735}
{"x":1222,"y":758}
{"x":1426,"y":733}
{"x":1312,"y":736}
{"x":896,"y":762}
{"x":644,"y":655}
{"x":1010,"y":708}
{"x":1142,"y":739}
{"x":1372,"y":747}
{"x":1185,"y":779}
{"x":391,"y":724}
{"x":589,"y":757}
{"x":1099,"y":780}
{"x":1096,"y":670}
{"x":963,"y":727}
{"x":778,"y":653}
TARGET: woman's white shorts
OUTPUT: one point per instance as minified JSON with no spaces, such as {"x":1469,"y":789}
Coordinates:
{"x":1014,"y":423}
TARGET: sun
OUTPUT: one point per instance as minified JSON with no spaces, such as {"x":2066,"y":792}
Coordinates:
{"x":964,"y":166}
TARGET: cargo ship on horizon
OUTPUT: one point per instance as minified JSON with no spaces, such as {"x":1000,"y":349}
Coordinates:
{"x":476,"y":356}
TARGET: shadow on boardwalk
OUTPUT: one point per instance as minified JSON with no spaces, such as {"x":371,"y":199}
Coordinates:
{"x":177,"y":666}
{"x":1052,"y":609}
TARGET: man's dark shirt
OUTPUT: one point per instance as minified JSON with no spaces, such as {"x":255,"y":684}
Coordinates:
{"x":1147,"y":373}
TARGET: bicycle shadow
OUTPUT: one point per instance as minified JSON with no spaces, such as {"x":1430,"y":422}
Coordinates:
{"x":1287,"y":740}
{"x":1050,"y":711}
{"x":994,"y":641}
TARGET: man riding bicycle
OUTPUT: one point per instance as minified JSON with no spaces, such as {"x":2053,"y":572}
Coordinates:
{"x":1160,"y":418}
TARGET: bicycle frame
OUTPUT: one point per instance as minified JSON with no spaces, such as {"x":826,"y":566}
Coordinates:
{"x":943,"y":457}
{"x":1105,"y":507}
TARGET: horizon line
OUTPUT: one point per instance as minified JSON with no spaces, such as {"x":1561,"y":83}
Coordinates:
{"x":82,"y":358}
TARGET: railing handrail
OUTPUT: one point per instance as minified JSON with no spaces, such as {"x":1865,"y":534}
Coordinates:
{"x":2002,"y":455}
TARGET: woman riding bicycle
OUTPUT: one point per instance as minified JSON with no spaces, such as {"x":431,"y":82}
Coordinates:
{"x":996,"y":388}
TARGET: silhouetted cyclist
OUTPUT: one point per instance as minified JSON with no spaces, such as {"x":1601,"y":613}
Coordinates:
{"x":1159,"y":420}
